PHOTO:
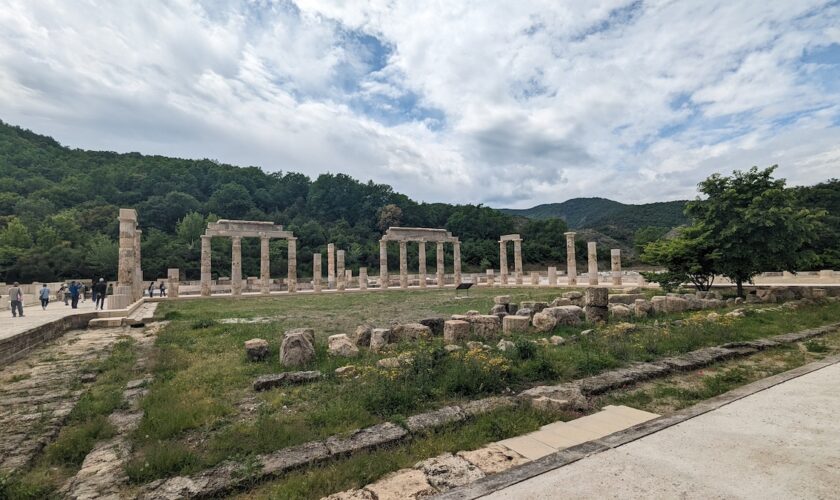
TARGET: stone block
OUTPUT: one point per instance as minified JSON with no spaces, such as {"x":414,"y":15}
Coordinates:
{"x":544,"y":321}
{"x":256,"y":349}
{"x":388,"y":363}
{"x":361,"y":337}
{"x":265,"y":382}
{"x":379,"y":338}
{"x":346,"y":371}
{"x":309,"y":333}
{"x":620,"y":311}
{"x":515,"y":324}
{"x":597,"y":296}
{"x":341,"y":345}
{"x":501,"y":299}
{"x":596,"y":314}
{"x":434,"y":324}
{"x":434,"y":419}
{"x":449,"y":471}
{"x":625,"y":298}
{"x":493,"y":458}
{"x":363,"y":439}
{"x":401,"y":485}
{"x":455,"y":331}
{"x":505,"y":345}
{"x":533,"y":305}
{"x":410,"y":332}
{"x":486,"y":327}
{"x":296,"y":349}
{"x":566,"y":315}
{"x":560,"y":301}
{"x":642,"y":308}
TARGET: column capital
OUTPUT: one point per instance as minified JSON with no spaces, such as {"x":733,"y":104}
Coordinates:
{"x":570,"y":233}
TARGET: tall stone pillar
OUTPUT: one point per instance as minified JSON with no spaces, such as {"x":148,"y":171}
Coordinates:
{"x":126,"y":269}
{"x":456,"y":257}
{"x":340,"y":277}
{"x":571,"y":265}
{"x":615,"y":259}
{"x":316,"y":272}
{"x":331,"y":265}
{"x":291,"y":285}
{"x":403,"y":265}
{"x":552,"y":276}
{"x":593,"y":263}
{"x":236,"y":265}
{"x":138,"y":269}
{"x":173,"y":276}
{"x":440,"y":269}
{"x":205,"y":265}
{"x":265,"y":266}
{"x":503,"y":263}
{"x":421,"y":259}
{"x":517,"y":260}
{"x":363,"y":278}
{"x":383,"y":264}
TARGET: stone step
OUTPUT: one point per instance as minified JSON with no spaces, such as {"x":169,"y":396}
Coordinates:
{"x":528,"y":447}
{"x":105,"y":323}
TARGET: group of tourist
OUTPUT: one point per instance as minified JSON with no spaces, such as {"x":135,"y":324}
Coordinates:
{"x":69,"y":294}
{"x":161,"y":288}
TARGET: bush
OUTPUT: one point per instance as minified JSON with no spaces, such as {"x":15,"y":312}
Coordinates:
{"x":525,"y":349}
{"x":200,"y":324}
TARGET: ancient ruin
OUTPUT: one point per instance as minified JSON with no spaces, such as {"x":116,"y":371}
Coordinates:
{"x":517,"y":258}
{"x":404,"y":235}
{"x":236,"y":230}
{"x":129,"y":273}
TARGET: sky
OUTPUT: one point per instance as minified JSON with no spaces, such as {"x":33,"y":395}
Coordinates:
{"x":510,"y":104}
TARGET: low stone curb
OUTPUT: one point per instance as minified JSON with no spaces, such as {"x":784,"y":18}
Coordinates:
{"x":266,"y":382}
{"x":227,"y":476}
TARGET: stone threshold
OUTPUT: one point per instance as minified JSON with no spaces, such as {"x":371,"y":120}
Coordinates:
{"x":496,"y":482}
{"x":228,"y":476}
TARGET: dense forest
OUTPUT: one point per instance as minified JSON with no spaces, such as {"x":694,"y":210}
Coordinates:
{"x":58,"y":215}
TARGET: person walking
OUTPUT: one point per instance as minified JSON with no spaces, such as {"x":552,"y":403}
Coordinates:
{"x":151,"y":289}
{"x":66,"y":294}
{"x":59,"y":294}
{"x":44,"y":295}
{"x":162,"y":290}
{"x":100,"y":289}
{"x":75,"y":288}
{"x":16,"y":299}
{"x":83,"y":291}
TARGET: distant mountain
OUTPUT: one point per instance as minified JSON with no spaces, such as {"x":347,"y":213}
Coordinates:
{"x":601,"y":213}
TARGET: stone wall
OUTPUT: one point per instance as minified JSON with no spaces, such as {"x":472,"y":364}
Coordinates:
{"x":16,"y":347}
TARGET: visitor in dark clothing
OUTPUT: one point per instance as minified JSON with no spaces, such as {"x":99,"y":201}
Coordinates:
{"x":100,"y":289}
{"x":75,"y":289}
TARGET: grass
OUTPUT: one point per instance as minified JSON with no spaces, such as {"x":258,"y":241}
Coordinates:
{"x":201,"y":410}
{"x":86,"y":424}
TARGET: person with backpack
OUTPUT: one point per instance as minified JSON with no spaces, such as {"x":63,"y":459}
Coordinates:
{"x":16,"y":299}
{"x":75,"y":288}
{"x":44,"y":295}
{"x":162,"y":288}
{"x":100,"y":289}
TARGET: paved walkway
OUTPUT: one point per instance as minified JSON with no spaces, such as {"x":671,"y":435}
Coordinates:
{"x":783,"y":442}
{"x":35,"y":316}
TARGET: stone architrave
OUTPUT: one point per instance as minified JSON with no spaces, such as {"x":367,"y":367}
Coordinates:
{"x":363,"y":278}
{"x":126,"y":270}
{"x":331,"y":265}
{"x":456,"y":255}
{"x":615,"y":260}
{"x":316,"y":272}
{"x":205,"y":265}
{"x":265,"y":269}
{"x":340,"y":276}
{"x":503,"y":263}
{"x":552,"y":276}
{"x":440,"y":269}
{"x":138,"y":269}
{"x":517,"y":260}
{"x":292,"y":279}
{"x":571,"y":265}
{"x":593,"y":263}
{"x":173,"y":276}
{"x":383,"y":264}
{"x":421,"y":265}
{"x":236,"y":265}
{"x":403,"y":265}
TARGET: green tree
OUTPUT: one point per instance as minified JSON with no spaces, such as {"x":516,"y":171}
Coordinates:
{"x":754,"y":224}
{"x":190,"y":228}
{"x":688,"y":257}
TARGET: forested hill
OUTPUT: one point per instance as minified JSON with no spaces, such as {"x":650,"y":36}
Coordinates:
{"x":58,"y":213}
{"x":600,"y":212}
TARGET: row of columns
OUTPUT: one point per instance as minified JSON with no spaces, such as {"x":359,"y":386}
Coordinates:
{"x":421,"y":255}
{"x":517,"y":260}
{"x":236,"y":265}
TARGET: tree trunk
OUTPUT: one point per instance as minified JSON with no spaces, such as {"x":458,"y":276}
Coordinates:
{"x":739,"y":283}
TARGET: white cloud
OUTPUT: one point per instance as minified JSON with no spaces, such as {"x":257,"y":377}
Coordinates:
{"x":507,"y":103}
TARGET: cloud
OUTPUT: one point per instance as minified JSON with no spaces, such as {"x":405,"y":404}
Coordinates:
{"x":506,"y":103}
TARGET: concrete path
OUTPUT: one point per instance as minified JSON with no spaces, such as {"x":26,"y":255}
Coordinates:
{"x":782,"y":442}
{"x":34,"y":316}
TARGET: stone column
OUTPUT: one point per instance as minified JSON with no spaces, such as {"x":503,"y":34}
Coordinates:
{"x":593,"y":263}
{"x":265,"y":266}
{"x":517,"y":260}
{"x":138,"y":269}
{"x":490,"y":278}
{"x":126,"y":269}
{"x":615,"y":259}
{"x":331,"y":265}
{"x":173,"y":276}
{"x":456,"y":257}
{"x":363,"y":278}
{"x":205,"y":265}
{"x":383,"y":264}
{"x":403,"y":266}
{"x":535,"y":278}
{"x":236,"y":266}
{"x":641,"y":281}
{"x":340,"y":277}
{"x":440,"y":269}
{"x":421,"y":265}
{"x":316,"y":272}
{"x":348,"y":278}
{"x":571,"y":265}
{"x":291,"y":285}
{"x":503,"y":263}
{"x":552,"y":276}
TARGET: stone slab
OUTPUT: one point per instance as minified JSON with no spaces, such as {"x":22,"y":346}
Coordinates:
{"x":528,"y":447}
